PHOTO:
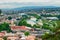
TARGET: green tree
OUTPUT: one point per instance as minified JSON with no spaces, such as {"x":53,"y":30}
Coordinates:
{"x":45,"y":26}
{"x":9,"y":18}
{"x":55,"y":29}
{"x":36,"y":26}
{"x":50,"y":25}
{"x":25,"y":16}
{"x":0,"y":11}
{"x":55,"y":36}
{"x":26,"y":33}
{"x":28,"y":25}
{"x":5,"y":27}
{"x":23,"y":22}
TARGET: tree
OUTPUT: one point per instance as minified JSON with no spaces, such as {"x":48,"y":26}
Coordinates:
{"x":55,"y":30}
{"x":36,"y":26}
{"x":23,"y":22}
{"x":26,"y":33}
{"x":45,"y":26}
{"x":50,"y":25}
{"x":25,"y":16}
{"x":28,"y":25}
{"x":5,"y":27}
{"x":9,"y":18}
{"x":55,"y":36}
{"x":0,"y":11}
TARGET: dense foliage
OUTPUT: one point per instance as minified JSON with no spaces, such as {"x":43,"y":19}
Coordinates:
{"x":5,"y":27}
{"x":9,"y":18}
{"x":55,"y":30}
{"x":55,"y":36}
{"x":23,"y":22}
{"x":0,"y":11}
{"x":26,"y":33}
{"x":35,"y":15}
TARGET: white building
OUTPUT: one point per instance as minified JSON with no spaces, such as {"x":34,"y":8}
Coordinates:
{"x":31,"y":22}
{"x":33,"y":19}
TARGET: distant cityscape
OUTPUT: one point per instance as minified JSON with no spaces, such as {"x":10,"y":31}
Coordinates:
{"x":30,"y":23}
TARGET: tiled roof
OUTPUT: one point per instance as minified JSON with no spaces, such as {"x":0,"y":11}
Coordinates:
{"x":2,"y":34}
{"x":18,"y":28}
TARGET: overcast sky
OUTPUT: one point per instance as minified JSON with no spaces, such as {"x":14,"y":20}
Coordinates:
{"x":20,"y":3}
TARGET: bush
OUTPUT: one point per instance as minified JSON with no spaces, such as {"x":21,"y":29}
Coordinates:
{"x":26,"y":33}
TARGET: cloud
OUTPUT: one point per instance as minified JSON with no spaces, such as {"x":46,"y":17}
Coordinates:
{"x":32,"y":1}
{"x":24,"y":1}
{"x":20,"y":3}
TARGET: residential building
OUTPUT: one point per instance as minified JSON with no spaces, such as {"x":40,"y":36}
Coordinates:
{"x":30,"y":37}
{"x":1,"y":38}
{"x":12,"y":38}
{"x":19,"y":28}
{"x":2,"y":34}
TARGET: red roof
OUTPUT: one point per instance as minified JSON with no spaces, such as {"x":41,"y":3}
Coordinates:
{"x":18,"y":28}
{"x":2,"y":34}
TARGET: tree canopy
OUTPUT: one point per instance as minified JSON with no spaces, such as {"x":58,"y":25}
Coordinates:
{"x":0,"y":11}
{"x":5,"y":27}
{"x":26,"y":33}
{"x":23,"y":22}
{"x":9,"y":18}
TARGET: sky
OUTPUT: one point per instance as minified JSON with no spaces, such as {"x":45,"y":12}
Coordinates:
{"x":22,"y":3}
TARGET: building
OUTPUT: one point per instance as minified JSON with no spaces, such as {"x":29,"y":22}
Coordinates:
{"x":52,"y":18}
{"x":1,"y":39}
{"x":33,"y":18}
{"x":23,"y":37}
{"x":31,"y":22}
{"x":19,"y":28}
{"x":12,"y":38}
{"x":30,"y":37}
{"x":2,"y":34}
{"x":39,"y":22}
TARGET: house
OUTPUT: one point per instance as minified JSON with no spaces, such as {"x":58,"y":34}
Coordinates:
{"x":11,"y":22}
{"x":2,"y":34}
{"x":9,"y":34}
{"x":31,"y":22}
{"x":30,"y":37}
{"x":39,"y":22}
{"x":52,"y":18}
{"x":19,"y":28}
{"x":12,"y":38}
{"x":23,"y":37}
{"x":37,"y":33}
{"x":1,"y":39}
{"x":33,"y":18}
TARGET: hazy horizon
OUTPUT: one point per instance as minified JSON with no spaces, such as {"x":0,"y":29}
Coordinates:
{"x":22,"y":3}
